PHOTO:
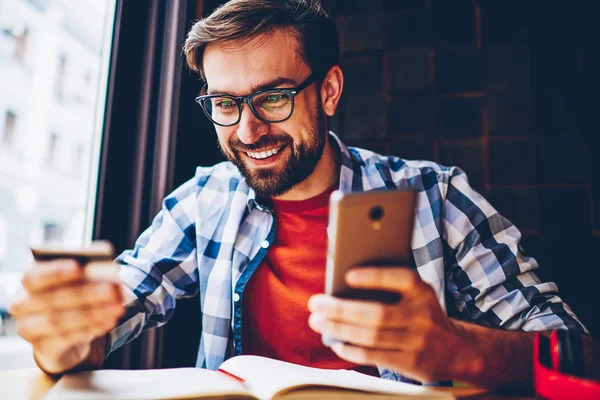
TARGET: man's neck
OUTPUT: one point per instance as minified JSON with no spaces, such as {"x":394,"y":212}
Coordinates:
{"x":325,"y":174}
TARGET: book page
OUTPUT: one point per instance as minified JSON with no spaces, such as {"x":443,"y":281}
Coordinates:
{"x":267,"y":378}
{"x":163,"y":384}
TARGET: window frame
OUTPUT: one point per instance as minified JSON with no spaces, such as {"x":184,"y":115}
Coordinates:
{"x":139,"y":141}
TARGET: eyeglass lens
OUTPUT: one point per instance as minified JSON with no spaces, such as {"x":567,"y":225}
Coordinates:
{"x":271,"y":106}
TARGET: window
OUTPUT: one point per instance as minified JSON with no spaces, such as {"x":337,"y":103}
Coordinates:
{"x":9,"y":128}
{"x":14,"y":39}
{"x":39,"y":207}
{"x":87,"y":78}
{"x":53,"y":233}
{"x":21,"y":39}
{"x":60,"y":77}
{"x":78,"y":164}
{"x":51,"y":150}
{"x":3,"y":239}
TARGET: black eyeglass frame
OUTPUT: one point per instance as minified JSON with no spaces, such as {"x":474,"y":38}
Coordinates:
{"x":240,"y":100}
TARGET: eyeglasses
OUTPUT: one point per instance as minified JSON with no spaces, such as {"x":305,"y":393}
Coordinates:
{"x":273,"y":105}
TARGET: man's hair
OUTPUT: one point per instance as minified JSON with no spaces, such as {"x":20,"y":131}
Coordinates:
{"x":316,"y":32}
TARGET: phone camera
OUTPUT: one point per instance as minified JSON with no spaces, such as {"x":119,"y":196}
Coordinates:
{"x":376,"y":213}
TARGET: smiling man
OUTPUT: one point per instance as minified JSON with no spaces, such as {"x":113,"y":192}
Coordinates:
{"x":268,"y":105}
{"x":249,"y":235}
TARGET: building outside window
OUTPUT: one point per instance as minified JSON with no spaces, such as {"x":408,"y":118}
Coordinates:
{"x":51,"y":150}
{"x":3,"y":238}
{"x":60,"y":76}
{"x":20,"y":50}
{"x":62,"y":48}
{"x":53,"y":233}
{"x":8,"y":132}
{"x":78,"y":164}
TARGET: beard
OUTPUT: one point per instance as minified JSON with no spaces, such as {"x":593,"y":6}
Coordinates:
{"x":301,"y":162}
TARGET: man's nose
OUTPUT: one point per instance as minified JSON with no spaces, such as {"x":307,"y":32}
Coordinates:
{"x":250,"y":128}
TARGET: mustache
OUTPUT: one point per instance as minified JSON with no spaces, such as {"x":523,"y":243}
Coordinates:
{"x":262,"y":143}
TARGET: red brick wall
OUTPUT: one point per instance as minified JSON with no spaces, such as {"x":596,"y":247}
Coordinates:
{"x":505,"y":92}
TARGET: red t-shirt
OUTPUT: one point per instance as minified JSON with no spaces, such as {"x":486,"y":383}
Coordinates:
{"x":275,"y":311}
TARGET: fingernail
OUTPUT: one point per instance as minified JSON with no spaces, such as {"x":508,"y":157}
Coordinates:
{"x":337,"y":347}
{"x":315,"y":303}
{"x":353,"y":276}
{"x":317,"y":322}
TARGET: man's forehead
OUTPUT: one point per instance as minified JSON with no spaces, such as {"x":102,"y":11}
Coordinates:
{"x":264,"y":83}
{"x":237,"y":67}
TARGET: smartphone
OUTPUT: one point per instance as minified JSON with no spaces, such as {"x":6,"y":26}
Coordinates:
{"x":96,"y":259}
{"x":368,"y":229}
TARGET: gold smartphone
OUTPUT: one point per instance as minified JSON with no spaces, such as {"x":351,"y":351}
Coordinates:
{"x":96,"y":259}
{"x":368,"y":229}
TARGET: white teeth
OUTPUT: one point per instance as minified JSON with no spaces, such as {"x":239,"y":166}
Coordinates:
{"x":263,"y":154}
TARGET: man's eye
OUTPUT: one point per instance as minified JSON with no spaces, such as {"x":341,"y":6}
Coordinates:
{"x":274,"y":98}
{"x":224,"y":103}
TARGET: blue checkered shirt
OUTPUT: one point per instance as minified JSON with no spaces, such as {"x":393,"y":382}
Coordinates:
{"x":213,"y":232}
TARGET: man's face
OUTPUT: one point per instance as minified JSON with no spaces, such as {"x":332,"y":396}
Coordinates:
{"x":273,"y":157}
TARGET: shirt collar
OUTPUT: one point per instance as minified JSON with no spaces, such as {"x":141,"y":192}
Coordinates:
{"x":350,"y":171}
{"x":257,"y":202}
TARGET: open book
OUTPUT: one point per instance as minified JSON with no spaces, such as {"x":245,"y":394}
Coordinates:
{"x":242,"y":377}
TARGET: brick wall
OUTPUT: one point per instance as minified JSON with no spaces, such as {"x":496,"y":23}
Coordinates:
{"x":506,"y":93}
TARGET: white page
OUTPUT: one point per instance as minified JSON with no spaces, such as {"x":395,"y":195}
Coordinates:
{"x":267,"y":377}
{"x":157,"y":384}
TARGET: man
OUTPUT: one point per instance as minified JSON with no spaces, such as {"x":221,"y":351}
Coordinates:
{"x":249,"y":236}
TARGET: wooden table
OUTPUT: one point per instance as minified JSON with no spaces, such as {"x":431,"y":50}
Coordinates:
{"x":32,"y":384}
{"x":24,"y":384}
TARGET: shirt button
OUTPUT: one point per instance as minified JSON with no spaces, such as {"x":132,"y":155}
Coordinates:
{"x":236,"y":297}
{"x":265,"y":244}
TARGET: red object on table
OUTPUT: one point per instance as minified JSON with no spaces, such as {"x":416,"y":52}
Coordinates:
{"x":550,"y":383}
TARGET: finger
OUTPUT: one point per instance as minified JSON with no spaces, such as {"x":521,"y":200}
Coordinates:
{"x":369,"y":314}
{"x":49,"y":274}
{"x":78,"y":295}
{"x":360,"y":336}
{"x":366,"y":356}
{"x":402,"y":280}
{"x":97,"y":319}
{"x":40,"y":327}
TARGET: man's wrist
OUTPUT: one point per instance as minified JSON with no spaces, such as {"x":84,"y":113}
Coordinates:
{"x":469,"y":361}
{"x":493,"y":358}
{"x":95,"y":357}
{"x":92,"y":358}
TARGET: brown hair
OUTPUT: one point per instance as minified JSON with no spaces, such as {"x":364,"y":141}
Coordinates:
{"x":315,"y":31}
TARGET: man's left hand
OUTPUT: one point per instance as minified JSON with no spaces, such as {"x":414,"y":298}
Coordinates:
{"x":413,"y":337}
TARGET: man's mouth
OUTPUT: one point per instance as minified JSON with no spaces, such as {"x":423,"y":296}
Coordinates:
{"x":261,"y":155}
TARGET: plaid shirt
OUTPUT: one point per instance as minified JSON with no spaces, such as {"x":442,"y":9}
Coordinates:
{"x":213,"y":232}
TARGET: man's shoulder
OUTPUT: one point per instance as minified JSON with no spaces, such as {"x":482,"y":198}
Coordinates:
{"x":222,"y":177}
{"x":215,"y":175}
{"x":399,"y":169}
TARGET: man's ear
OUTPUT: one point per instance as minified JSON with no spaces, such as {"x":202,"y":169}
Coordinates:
{"x":331,"y":90}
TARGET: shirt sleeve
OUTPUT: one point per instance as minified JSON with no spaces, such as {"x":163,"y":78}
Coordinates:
{"x":160,"y":268}
{"x":491,"y":281}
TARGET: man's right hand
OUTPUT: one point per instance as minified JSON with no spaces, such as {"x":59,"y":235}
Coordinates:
{"x":61,"y":313}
